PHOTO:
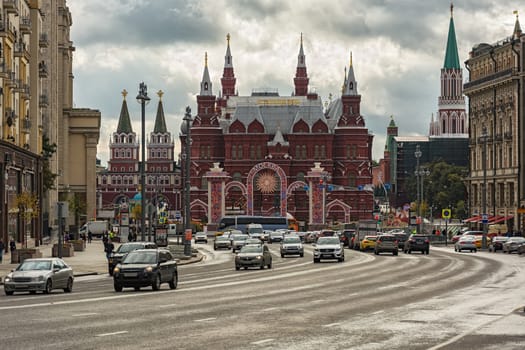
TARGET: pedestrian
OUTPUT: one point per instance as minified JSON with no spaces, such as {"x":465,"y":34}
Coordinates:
{"x":90,"y":237}
{"x":109,"y":248}
{"x":2,"y":247}
{"x":130,"y":236}
{"x":12,"y":245}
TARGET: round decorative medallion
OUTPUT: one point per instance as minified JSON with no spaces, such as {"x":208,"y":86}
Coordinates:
{"x":266,"y":182}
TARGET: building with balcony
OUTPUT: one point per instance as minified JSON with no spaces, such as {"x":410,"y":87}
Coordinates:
{"x":496,"y":114}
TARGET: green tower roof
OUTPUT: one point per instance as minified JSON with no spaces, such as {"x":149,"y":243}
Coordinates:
{"x":451,"y":56}
{"x":124,"y":122}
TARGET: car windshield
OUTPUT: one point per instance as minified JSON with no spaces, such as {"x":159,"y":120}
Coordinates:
{"x":370,"y":238}
{"x":141,"y":258}
{"x":387,"y":238}
{"x":222,"y":238}
{"x":31,"y":265}
{"x":240,"y":237}
{"x":126,"y":248}
{"x":292,"y":240}
{"x":516,"y":239}
{"x":468,"y":238}
{"x":251,"y":249}
{"x":328,"y":240}
{"x":499,"y":238}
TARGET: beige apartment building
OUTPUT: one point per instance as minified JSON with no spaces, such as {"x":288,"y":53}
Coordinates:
{"x":36,"y":108}
{"x":496,"y":116}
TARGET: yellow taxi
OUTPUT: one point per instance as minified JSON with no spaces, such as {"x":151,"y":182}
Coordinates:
{"x":479,"y":238}
{"x":368,"y":242}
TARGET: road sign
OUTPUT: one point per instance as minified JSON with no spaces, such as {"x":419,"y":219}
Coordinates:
{"x":177,"y":215}
{"x":484,"y":219}
{"x":446,"y":213}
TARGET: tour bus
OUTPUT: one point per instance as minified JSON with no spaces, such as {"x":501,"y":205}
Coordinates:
{"x":240,"y":222}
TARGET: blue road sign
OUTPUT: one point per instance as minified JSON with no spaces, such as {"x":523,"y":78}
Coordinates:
{"x":484,"y":219}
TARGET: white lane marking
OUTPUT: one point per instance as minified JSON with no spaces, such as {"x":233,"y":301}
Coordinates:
{"x":206,"y":319}
{"x":317,"y":301}
{"x":269,"y":309}
{"x":167,"y":305}
{"x":264,"y":341}
{"x":85,"y":314}
{"x":113,"y":333}
{"x":332,"y":324}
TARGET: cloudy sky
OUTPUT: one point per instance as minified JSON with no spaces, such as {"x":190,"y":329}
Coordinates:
{"x":398,"y":50}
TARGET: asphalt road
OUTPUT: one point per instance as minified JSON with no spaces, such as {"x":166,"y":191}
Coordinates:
{"x":445,"y":300}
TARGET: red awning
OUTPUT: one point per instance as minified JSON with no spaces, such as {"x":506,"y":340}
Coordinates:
{"x":473,"y":219}
{"x":500,"y":219}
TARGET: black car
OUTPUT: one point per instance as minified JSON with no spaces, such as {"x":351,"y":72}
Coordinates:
{"x":401,"y":238}
{"x":347,"y":238}
{"x":146,"y":267}
{"x":116,"y":257}
{"x":418,"y":243}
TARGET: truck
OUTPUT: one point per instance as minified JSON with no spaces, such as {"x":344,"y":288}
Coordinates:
{"x":364,"y":228}
{"x":97,"y":228}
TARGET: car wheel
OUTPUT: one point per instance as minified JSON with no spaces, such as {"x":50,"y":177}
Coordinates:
{"x":428,"y":251}
{"x":270,"y":265}
{"x":156,"y":283}
{"x":246,"y":267}
{"x":118,"y":287}
{"x":69,"y":286}
{"x":136,"y":289}
{"x":282,"y":255}
{"x":316,"y":260}
{"x":262,"y":266}
{"x":376,"y":252}
{"x":32,"y":292}
{"x":394,"y":252}
{"x":174,"y":281}
{"x":302,"y":255}
{"x":237,"y":267}
{"x":110,"y":271}
{"x":422,"y":252}
{"x":49,"y":287}
{"x":214,"y":248}
{"x":475,"y":250}
{"x":9,"y":292}
{"x":409,"y":251}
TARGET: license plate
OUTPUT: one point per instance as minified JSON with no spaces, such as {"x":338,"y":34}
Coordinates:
{"x":130,"y":274}
{"x":21,"y":286}
{"x":327,"y":255}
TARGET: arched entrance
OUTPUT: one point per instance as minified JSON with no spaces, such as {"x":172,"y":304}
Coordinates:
{"x":338,"y":211}
{"x":270,"y":180}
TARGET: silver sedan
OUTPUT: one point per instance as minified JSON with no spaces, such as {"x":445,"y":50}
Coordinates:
{"x":512,"y":244}
{"x":466,"y":242}
{"x":43,"y":274}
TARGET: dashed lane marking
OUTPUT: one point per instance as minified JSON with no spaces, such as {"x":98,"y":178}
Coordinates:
{"x":113,"y":333}
{"x":264,"y":341}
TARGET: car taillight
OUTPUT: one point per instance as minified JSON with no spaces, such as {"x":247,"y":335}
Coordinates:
{"x":427,"y":241}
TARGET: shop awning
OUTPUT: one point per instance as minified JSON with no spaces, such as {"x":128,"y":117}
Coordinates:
{"x":497,"y":219}
{"x":473,"y":219}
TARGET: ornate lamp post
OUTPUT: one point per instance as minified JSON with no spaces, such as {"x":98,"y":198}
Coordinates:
{"x":187,"y":183}
{"x":143,"y":99}
{"x":417,"y":154}
{"x":421,"y":173}
{"x":483,"y":138}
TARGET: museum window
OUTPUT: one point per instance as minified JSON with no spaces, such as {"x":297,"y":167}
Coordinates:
{"x":354,"y":151}
{"x":501,"y":190}
{"x":323,"y":151}
{"x":298,"y":152}
{"x":237,"y":177}
{"x":304,"y":152}
{"x":316,"y":152}
{"x":240,"y":152}
{"x":252,"y":152}
{"x":511,"y":194}
{"x":204,"y":183}
{"x":351,"y":180}
{"x":347,"y":151}
{"x":234,"y":152}
{"x":259,"y":152}
{"x":300,"y":176}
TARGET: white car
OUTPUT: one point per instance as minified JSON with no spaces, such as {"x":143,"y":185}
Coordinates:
{"x":328,"y":248}
{"x":201,"y":237}
{"x":42,"y":274}
{"x":466,"y":242}
{"x":291,"y":245}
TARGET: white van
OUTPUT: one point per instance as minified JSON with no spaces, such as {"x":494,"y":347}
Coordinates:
{"x":254,"y":230}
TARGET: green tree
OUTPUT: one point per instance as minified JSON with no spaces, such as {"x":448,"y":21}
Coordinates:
{"x":443,"y":188}
{"x":77,"y":205}
{"x":48,"y":149}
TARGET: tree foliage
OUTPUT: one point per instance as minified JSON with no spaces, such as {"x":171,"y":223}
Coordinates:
{"x":443,"y":188}
{"x":48,"y":149}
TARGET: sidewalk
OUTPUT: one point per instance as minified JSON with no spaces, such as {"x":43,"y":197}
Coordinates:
{"x":91,"y":261}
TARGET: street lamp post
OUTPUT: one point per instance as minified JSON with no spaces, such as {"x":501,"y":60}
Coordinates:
{"x":422,"y":173}
{"x":143,"y":98}
{"x":483,"y":139}
{"x":417,"y":154}
{"x":187,"y":183}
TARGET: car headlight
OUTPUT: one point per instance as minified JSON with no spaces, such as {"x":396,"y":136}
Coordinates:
{"x":116,"y":269}
{"x":7,"y":279}
{"x":258,"y":257}
{"x":148,"y":269}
